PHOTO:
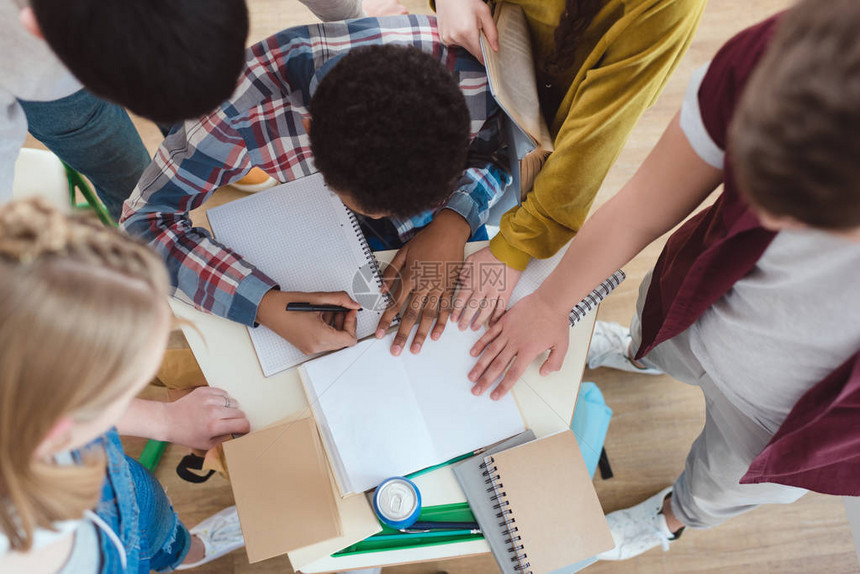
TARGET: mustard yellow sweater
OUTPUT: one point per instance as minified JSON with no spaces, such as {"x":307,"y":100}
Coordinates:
{"x":635,"y":46}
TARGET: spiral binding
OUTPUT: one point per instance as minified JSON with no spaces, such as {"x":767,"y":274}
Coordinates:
{"x":370,"y":258}
{"x":593,"y":299}
{"x":508,"y":521}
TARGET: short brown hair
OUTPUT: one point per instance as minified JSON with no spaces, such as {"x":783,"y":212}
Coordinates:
{"x":795,"y":139}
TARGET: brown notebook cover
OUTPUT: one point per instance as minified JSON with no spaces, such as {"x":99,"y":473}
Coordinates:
{"x":549,"y":503}
{"x":282,"y":489}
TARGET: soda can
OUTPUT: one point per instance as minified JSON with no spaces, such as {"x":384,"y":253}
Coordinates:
{"x":397,"y":502}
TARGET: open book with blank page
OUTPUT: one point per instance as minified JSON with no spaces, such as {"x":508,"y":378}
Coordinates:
{"x":382,"y":416}
{"x":513,"y":84}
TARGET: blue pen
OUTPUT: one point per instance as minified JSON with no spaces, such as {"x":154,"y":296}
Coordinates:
{"x":428,"y":525}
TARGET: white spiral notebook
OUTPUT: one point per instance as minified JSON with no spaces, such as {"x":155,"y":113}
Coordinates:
{"x":303,"y":237}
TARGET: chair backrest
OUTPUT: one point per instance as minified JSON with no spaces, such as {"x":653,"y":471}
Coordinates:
{"x":39,"y":173}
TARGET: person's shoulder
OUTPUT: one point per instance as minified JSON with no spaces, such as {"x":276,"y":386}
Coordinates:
{"x":728,"y":73}
{"x":742,"y":53}
{"x":674,"y":9}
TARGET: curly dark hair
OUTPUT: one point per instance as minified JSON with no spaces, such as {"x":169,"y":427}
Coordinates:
{"x":390,"y":129}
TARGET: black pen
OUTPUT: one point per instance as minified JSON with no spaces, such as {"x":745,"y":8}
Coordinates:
{"x":317,"y":308}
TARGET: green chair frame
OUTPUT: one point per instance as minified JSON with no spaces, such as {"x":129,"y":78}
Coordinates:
{"x":91,"y":201}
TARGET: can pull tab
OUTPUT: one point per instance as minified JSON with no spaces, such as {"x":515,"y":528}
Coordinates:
{"x":396,"y":503}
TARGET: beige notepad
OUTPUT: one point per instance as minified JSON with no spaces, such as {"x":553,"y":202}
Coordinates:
{"x":550,"y":506}
{"x":283,"y":489}
{"x":358,"y":521}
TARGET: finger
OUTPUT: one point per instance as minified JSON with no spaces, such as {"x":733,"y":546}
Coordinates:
{"x":444,"y":312}
{"x":486,"y":339}
{"x":207,"y":390}
{"x":489,"y":355}
{"x":410,"y":315}
{"x":501,"y":307}
{"x":470,"y":310}
{"x":215,"y":441}
{"x":341,"y":298}
{"x":459,"y":304}
{"x":350,"y":323}
{"x":495,"y":370}
{"x":226,"y":413}
{"x":391,"y":274}
{"x":220,"y":401}
{"x":334,"y":339}
{"x":511,"y":377}
{"x":327,"y":317}
{"x":230,"y":426}
{"x":464,"y":290}
{"x":485,"y":309}
{"x":338,"y":320}
{"x":431,"y":308}
{"x":485,"y":21}
{"x":473,"y":44}
{"x":554,"y":361}
{"x":388,"y":316}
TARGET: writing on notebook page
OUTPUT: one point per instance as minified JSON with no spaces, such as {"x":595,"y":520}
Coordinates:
{"x":303,"y":237}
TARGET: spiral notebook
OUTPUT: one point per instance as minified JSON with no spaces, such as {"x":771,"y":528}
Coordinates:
{"x":303,"y":237}
{"x":537,"y":506}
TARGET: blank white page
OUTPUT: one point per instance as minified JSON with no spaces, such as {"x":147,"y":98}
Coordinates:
{"x":374,"y":420}
{"x":390,"y":416}
{"x":459,"y":421}
{"x":535,"y":274}
{"x":302,"y":236}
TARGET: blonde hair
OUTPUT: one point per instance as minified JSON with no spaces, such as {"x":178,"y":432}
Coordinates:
{"x":78,"y":304}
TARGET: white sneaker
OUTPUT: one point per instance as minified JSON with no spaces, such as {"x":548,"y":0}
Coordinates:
{"x":609,"y":345}
{"x":221,"y":535}
{"x":639,"y":528}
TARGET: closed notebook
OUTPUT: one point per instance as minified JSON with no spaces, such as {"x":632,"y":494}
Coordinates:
{"x":547,"y":505}
{"x":283,"y":489}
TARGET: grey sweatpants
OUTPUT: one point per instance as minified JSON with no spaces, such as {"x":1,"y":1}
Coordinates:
{"x":708,"y":493}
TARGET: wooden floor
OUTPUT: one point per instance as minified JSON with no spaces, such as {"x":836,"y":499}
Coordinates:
{"x":655,"y":418}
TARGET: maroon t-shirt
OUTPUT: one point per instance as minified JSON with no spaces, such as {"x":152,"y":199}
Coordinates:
{"x":818,"y":444}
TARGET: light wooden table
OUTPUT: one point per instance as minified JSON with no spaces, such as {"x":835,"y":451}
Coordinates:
{"x":228,"y":361}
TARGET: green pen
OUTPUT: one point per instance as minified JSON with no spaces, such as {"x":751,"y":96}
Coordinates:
{"x":454,"y":460}
{"x":433,"y":534}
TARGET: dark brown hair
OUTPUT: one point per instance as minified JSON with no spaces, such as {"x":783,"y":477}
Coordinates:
{"x":165,"y":60}
{"x":569,"y":35}
{"x":794,"y":139}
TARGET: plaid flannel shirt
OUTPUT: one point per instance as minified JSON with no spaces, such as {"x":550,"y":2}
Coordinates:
{"x":261,"y":125}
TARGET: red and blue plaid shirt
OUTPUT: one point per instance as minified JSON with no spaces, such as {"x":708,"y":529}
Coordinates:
{"x":261,"y":125}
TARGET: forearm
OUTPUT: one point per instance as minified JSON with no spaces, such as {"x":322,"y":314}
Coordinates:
{"x":592,"y":132}
{"x":332,"y":10}
{"x":146,"y":419}
{"x":671,"y":182}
